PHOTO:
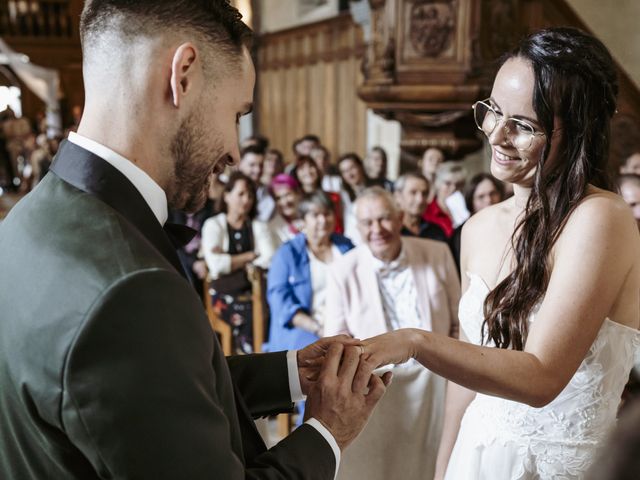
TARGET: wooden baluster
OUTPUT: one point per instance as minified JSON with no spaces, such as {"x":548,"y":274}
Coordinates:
{"x":13,"y":16}
{"x":38,"y":18}
{"x":57,"y":28}
{"x":5,"y":23}
{"x":32,"y":28}
{"x":65,"y":21}
{"x":21,"y":20}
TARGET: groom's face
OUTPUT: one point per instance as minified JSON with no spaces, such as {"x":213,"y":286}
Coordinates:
{"x":207,"y":139}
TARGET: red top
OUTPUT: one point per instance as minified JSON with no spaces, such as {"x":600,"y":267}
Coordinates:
{"x":434,"y":214}
{"x":337,"y":210}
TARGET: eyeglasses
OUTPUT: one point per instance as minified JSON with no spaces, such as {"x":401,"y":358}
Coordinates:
{"x":519,"y":133}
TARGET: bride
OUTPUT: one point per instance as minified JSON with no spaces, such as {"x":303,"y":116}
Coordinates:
{"x":550,"y":312}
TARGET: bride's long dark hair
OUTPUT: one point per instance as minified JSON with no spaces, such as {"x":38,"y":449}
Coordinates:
{"x":575,"y":81}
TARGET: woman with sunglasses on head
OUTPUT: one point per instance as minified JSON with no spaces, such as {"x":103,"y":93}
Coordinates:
{"x":551,"y":278}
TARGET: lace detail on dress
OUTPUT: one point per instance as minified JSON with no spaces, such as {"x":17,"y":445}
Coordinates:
{"x":557,"y":441}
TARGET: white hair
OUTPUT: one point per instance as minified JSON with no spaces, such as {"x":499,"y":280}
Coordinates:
{"x":376,"y":192}
{"x":453,"y":170}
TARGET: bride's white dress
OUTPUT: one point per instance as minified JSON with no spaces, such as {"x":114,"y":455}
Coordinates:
{"x":505,"y":440}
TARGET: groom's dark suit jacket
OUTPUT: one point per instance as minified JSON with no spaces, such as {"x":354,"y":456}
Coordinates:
{"x":108,"y":365}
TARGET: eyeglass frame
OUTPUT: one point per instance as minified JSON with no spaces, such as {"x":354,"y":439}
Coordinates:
{"x":500,"y":118}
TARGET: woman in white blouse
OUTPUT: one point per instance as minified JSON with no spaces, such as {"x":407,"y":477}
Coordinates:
{"x":231,"y":241}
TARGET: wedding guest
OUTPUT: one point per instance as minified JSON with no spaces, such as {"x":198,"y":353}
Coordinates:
{"x":411,"y":194}
{"x":251,"y":164}
{"x":231,"y":241}
{"x":450,"y":178}
{"x":354,"y":181}
{"x":331,"y":182}
{"x":304,"y":145}
{"x":286,"y":223}
{"x":631,"y":164}
{"x":297,"y":280}
{"x":16,"y":133}
{"x":40,"y":159}
{"x":296,"y":285}
{"x":309,"y":176}
{"x":482,"y":191}
{"x":392,"y":282}
{"x":259,"y":141}
{"x":375,"y":165}
{"x":629,"y":187}
{"x":273,"y":165}
{"x":191,"y":254}
{"x":431,"y":160}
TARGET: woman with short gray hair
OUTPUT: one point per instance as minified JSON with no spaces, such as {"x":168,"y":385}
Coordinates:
{"x":296,"y":284}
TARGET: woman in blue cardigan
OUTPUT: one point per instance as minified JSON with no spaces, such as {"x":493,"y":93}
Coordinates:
{"x":297,"y":277}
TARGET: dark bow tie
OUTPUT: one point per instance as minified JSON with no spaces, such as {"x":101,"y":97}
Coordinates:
{"x":179,"y":235}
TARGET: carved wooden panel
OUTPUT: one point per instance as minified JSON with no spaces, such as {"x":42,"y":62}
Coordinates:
{"x":379,"y":65}
{"x":432,"y":37}
{"x":307,"y":81}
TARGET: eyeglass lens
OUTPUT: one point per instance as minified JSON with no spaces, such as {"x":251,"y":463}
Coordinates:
{"x":519,"y":133}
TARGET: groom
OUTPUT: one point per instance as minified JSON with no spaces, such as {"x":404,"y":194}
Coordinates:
{"x":108,"y":366}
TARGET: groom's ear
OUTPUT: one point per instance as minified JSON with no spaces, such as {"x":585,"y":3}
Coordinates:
{"x":186,"y":69}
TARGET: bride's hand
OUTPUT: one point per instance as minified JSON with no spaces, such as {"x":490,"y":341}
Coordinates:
{"x":389,"y":348}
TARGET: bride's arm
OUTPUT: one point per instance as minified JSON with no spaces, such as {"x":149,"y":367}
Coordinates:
{"x":598,"y":249}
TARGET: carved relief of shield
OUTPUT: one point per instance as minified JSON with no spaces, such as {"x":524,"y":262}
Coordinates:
{"x":431,"y":26}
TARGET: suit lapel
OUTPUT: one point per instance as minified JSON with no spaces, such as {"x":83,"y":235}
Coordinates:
{"x":92,"y":174}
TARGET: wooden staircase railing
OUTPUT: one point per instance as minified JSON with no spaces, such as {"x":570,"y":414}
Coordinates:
{"x":39,"y":20}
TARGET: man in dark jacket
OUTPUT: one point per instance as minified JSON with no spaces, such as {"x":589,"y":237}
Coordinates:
{"x":108,"y":366}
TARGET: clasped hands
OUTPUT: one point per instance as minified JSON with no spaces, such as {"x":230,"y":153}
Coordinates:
{"x":336,"y":374}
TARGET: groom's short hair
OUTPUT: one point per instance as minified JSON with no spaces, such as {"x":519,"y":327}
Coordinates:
{"x":213,"y":23}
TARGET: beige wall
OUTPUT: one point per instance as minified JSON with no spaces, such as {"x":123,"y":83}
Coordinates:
{"x":307,"y":83}
{"x":617,"y":24}
{"x":278,"y":15}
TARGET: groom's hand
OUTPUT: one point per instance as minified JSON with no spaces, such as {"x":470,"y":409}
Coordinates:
{"x":311,"y":358}
{"x":332,"y":400}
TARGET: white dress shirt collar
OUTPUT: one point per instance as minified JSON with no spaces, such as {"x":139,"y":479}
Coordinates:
{"x":148,"y":188}
{"x":399,"y":263}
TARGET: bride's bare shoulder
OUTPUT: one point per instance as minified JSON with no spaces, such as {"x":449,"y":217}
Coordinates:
{"x":601,"y":208}
{"x":605,"y":218}
{"x":490,"y":218}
